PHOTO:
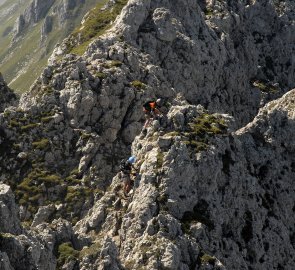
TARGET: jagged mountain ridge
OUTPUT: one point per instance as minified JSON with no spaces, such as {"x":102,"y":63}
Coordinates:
{"x":87,"y":110}
{"x":30,"y":30}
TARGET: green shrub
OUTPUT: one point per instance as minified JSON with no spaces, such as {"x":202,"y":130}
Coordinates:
{"x":28,"y":127}
{"x":263,"y":87}
{"x":208,"y":11}
{"x":66,"y":252}
{"x":14,"y":123}
{"x":207,"y":124}
{"x":42,"y":144}
{"x":172,"y":134}
{"x":160,"y":159}
{"x":197,"y":145}
{"x":113,"y":63}
{"x":46,"y":119}
{"x":207,"y":259}
{"x":100,"y":75}
{"x":138,"y":84}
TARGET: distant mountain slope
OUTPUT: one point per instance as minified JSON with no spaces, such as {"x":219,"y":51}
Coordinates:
{"x":29,"y":31}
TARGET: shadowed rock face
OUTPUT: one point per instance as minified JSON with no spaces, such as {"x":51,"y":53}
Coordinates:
{"x":7,"y":97}
{"x":214,"y":186}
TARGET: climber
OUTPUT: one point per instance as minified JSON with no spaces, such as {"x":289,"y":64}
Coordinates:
{"x":126,"y":168}
{"x":151,"y":109}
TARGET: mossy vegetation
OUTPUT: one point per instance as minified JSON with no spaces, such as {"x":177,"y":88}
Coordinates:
{"x":202,"y":129}
{"x":29,"y":191}
{"x":264,"y":87}
{"x":42,"y":144}
{"x":46,"y":119}
{"x":172,"y":134}
{"x":112,"y":64}
{"x":138,"y":84}
{"x":42,"y":187}
{"x":66,"y":252}
{"x":206,"y":259}
{"x":160,"y":159}
{"x":200,"y":132}
{"x":100,"y":75}
{"x":96,"y":23}
{"x":208,"y":11}
{"x":28,"y":127}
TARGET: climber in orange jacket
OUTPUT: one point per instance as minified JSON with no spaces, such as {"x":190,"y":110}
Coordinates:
{"x":151,"y":111}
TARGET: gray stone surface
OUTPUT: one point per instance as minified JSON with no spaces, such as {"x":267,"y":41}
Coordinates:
{"x":9,"y":222}
{"x":214,"y":186}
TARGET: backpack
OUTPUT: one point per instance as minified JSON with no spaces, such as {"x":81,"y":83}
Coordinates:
{"x":149,"y":105}
{"x":125,"y":167}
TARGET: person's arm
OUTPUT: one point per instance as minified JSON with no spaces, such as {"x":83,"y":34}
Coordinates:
{"x":157,"y":111}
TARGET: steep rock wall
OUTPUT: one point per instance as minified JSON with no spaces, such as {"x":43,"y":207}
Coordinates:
{"x":64,"y":140}
{"x":226,"y":207}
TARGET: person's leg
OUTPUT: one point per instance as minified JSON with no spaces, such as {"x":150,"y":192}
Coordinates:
{"x":148,"y":117}
{"x":128,"y":184}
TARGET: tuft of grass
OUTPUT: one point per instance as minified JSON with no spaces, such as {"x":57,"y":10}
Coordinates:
{"x":66,"y":252}
{"x":100,"y":75}
{"x":160,"y":159}
{"x":198,"y":146}
{"x":113,"y":63}
{"x":208,"y":11}
{"x":172,"y":134}
{"x":14,"y":123}
{"x":138,"y":84}
{"x":28,"y":127}
{"x":42,"y":144}
{"x":265,"y":88}
{"x":202,"y":129}
{"x":207,"y":259}
{"x":207,"y":124}
{"x":46,"y":119}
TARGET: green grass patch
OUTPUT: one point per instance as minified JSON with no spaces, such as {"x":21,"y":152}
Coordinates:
{"x":172,"y":134}
{"x":42,"y":144}
{"x":96,"y":23}
{"x":113,"y":63}
{"x":28,"y":127}
{"x":138,"y":84}
{"x":46,"y":119}
{"x":160,"y":159}
{"x":207,"y":259}
{"x":14,"y":123}
{"x":66,"y":252}
{"x":100,"y":75}
{"x":207,"y":124}
{"x":202,"y":129}
{"x":208,"y":11}
{"x":264,"y":87}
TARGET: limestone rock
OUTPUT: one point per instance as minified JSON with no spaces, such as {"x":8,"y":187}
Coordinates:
{"x":214,"y":187}
{"x":44,"y":212}
{"x":46,"y":27}
{"x":9,"y":211}
{"x":4,"y":262}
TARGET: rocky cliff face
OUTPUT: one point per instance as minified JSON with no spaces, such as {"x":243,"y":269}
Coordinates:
{"x":214,"y":189}
{"x":7,"y":96}
{"x":225,"y":207}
